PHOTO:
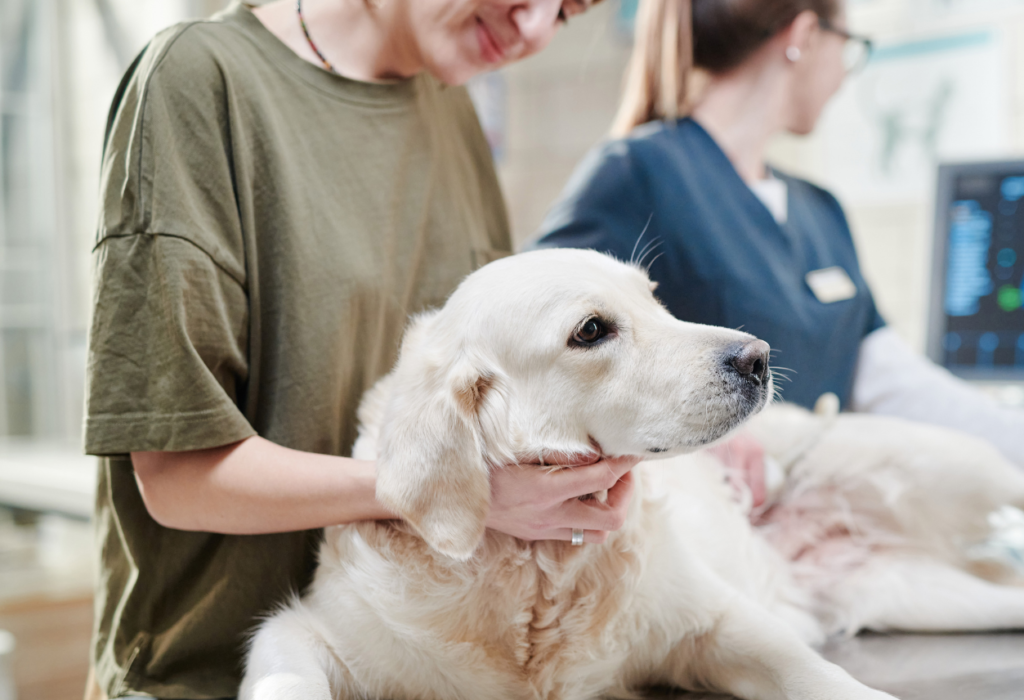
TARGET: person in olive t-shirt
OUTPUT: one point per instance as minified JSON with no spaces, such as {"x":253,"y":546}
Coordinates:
{"x":267,"y":227}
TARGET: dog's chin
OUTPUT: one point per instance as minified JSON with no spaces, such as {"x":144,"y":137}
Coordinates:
{"x":745,"y":400}
{"x":742,"y":405}
{"x":721,"y":430}
{"x":749,"y":401}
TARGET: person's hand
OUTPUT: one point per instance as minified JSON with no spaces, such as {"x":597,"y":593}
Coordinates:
{"x":743,"y":457}
{"x":532,"y":503}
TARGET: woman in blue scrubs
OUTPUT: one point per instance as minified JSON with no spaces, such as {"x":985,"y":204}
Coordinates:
{"x":731,"y":241}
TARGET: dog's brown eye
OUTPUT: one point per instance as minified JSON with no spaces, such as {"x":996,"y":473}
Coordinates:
{"x":590,"y":332}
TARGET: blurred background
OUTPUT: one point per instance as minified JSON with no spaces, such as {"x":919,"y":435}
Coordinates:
{"x":945,"y":85}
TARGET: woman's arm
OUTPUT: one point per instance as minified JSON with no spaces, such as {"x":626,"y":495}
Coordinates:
{"x":256,"y":487}
{"x":894,"y":380}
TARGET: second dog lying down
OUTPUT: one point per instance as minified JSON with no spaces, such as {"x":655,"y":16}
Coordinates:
{"x":561,"y":351}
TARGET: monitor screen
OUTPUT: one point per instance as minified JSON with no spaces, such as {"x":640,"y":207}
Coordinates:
{"x":976,"y":327}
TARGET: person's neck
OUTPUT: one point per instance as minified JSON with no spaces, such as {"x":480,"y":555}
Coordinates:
{"x":742,"y":111}
{"x":361,"y":41}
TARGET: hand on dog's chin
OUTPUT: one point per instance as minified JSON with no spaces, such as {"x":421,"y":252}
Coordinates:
{"x":561,"y":459}
{"x":532,"y":502}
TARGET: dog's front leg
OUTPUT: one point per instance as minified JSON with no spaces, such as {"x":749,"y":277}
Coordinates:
{"x":289,"y":661}
{"x":754,"y":656}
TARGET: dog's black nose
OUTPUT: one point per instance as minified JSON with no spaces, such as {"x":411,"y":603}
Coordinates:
{"x":751,"y":361}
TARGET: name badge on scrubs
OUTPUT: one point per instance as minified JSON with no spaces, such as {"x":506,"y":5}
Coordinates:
{"x":831,"y":284}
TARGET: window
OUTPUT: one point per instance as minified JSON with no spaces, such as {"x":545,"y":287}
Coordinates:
{"x":40,"y":343}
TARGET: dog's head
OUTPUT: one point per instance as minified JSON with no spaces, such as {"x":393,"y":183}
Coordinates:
{"x":550,"y":351}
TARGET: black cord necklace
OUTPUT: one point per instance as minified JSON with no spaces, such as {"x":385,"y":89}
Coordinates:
{"x":305,"y":30}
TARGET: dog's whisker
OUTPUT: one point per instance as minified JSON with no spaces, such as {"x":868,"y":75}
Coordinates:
{"x":653,"y":260}
{"x":632,"y":256}
{"x":650,"y":247}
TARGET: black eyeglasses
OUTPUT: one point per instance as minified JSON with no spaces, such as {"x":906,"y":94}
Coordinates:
{"x":857,"y":49}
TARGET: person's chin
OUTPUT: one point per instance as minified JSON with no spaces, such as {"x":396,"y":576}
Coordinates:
{"x":455,"y":76}
{"x":458,"y":70}
{"x":802,"y":127}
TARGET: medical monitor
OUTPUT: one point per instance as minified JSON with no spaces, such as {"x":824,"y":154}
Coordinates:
{"x":976,"y":328}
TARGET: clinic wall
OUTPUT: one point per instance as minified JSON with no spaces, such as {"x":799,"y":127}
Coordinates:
{"x":559,"y":104}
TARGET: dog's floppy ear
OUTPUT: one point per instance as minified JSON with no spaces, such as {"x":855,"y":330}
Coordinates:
{"x":432,"y":467}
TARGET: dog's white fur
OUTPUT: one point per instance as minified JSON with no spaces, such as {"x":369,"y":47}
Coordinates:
{"x":687,"y":593}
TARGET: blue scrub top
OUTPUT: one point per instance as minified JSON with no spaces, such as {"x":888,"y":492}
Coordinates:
{"x":719,"y":256}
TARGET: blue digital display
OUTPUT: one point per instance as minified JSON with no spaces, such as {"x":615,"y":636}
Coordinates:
{"x":983,"y":285}
{"x":967,"y":276}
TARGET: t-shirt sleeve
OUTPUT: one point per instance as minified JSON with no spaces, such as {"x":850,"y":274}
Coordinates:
{"x":605,"y":207}
{"x":167,"y":360}
{"x":168,"y":364}
{"x":168,"y":164}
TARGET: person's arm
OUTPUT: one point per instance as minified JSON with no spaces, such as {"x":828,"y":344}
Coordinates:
{"x":255,"y":486}
{"x":892,"y":379}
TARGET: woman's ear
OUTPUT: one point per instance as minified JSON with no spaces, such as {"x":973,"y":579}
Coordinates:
{"x":796,"y":38}
{"x":432,"y":465}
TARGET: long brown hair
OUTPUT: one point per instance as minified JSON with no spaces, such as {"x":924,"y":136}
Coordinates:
{"x":675,"y":36}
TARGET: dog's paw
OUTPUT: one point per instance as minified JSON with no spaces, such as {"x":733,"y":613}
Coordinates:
{"x":287,"y":686}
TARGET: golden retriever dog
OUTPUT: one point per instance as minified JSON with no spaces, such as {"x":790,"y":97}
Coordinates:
{"x":569,"y":352}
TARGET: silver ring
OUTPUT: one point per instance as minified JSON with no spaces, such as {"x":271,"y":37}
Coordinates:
{"x":577,"y":537}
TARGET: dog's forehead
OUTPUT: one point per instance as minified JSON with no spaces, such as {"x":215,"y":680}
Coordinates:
{"x":565,"y":273}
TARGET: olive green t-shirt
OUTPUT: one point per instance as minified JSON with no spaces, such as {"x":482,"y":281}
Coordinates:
{"x":266,"y":229}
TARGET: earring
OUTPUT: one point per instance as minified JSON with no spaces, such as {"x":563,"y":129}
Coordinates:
{"x":793,"y":54}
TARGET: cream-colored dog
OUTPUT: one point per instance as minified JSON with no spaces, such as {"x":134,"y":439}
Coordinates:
{"x":569,"y":352}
